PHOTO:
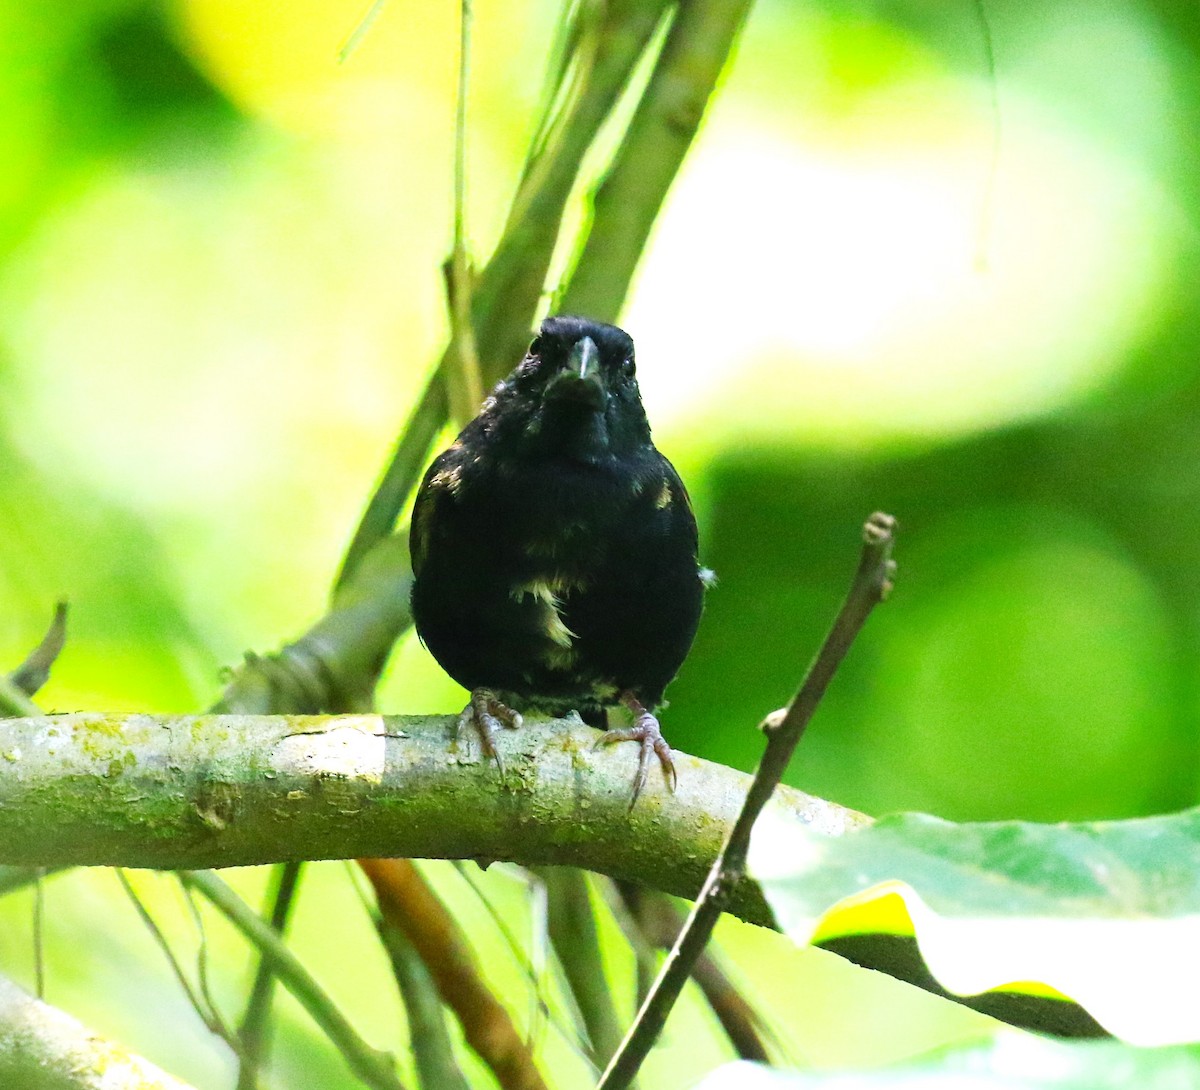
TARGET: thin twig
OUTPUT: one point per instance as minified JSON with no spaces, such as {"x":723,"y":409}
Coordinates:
{"x":624,"y":902}
{"x":532,"y":966}
{"x":463,"y":384}
{"x":360,"y":31}
{"x":202,"y":977}
{"x":373,"y":1067}
{"x":433,"y":1052}
{"x":407,"y":902}
{"x":658,"y":922}
{"x":784,"y":731}
{"x":255,"y":1029}
{"x":696,"y":51}
{"x":34,"y":672}
{"x":564,"y":60}
{"x":539,"y":943}
{"x":576,"y":943}
{"x":207,"y":1014}
{"x":39,"y":928}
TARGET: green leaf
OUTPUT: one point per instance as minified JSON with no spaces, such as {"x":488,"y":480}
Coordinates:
{"x":1105,"y":913}
{"x":1011,"y":1062}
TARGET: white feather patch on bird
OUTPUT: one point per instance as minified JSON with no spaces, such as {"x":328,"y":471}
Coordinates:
{"x":548,"y":593}
{"x":708,"y":577}
{"x":557,"y":631}
{"x":664,"y":497}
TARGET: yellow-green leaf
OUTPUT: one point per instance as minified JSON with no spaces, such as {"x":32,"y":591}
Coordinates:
{"x":1104,"y":913}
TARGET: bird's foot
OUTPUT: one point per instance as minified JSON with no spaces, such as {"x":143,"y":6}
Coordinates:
{"x":487,"y":713}
{"x":646,"y":730}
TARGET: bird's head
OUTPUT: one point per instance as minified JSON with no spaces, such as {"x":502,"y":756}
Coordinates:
{"x":575,"y":394}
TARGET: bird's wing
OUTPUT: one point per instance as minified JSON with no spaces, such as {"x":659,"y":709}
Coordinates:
{"x":439,"y":486}
{"x":678,"y":488}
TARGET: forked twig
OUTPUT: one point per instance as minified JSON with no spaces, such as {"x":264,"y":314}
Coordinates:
{"x":197,"y":996}
{"x":255,"y":1029}
{"x":784,"y":730}
{"x":374,"y":1068}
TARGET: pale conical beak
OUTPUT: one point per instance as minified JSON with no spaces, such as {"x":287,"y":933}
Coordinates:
{"x":581,"y":379}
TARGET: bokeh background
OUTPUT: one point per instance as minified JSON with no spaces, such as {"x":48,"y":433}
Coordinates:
{"x":885,"y":279}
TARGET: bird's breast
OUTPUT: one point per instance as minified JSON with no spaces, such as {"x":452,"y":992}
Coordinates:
{"x":560,"y":507}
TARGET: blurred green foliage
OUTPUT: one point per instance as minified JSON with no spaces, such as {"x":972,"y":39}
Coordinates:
{"x":219,"y":292}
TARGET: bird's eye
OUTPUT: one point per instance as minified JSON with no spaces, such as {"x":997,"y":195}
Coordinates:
{"x":536,"y":347}
{"x":627,"y":367}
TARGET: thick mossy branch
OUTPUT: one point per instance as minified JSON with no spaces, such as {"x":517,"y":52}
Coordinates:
{"x":215,"y":791}
{"x":193,"y":792}
{"x":42,"y":1048}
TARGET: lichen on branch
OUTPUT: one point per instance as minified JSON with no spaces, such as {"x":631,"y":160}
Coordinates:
{"x":189,"y":792}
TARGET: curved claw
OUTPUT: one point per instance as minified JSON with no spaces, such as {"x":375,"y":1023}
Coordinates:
{"x":645,"y":730}
{"x":487,"y":713}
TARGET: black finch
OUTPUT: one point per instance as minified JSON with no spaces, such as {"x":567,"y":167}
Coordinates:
{"x":554,"y":548}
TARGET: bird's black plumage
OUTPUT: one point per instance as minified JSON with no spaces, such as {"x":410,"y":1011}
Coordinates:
{"x":554,"y":548}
